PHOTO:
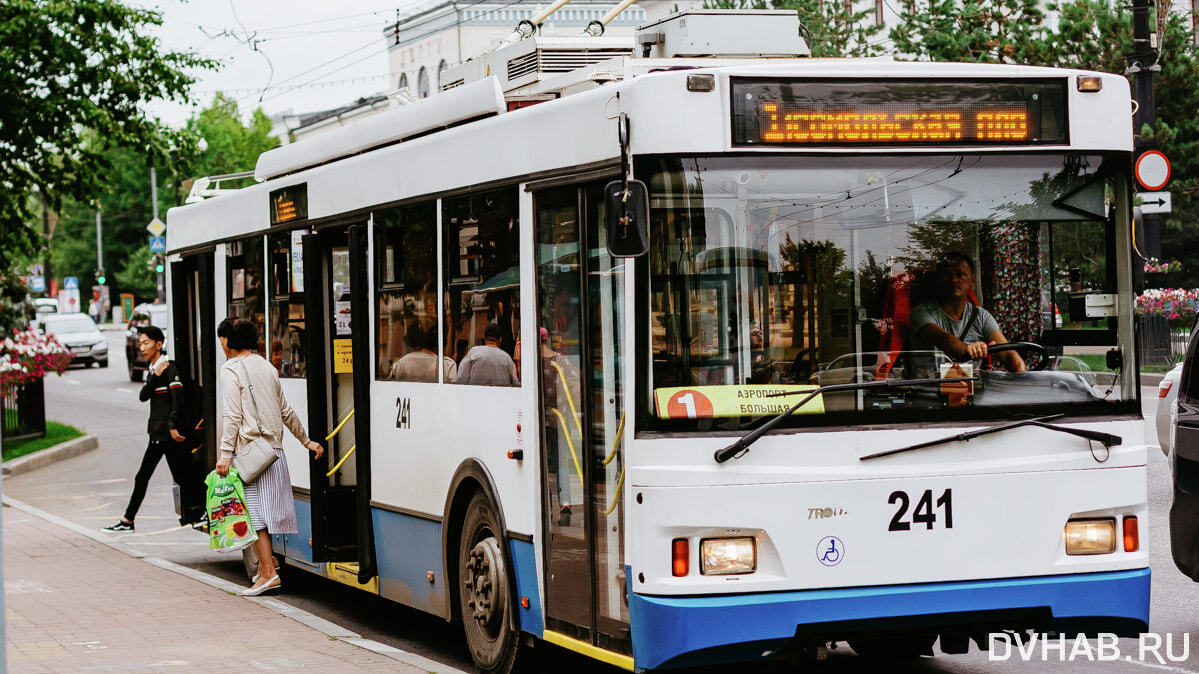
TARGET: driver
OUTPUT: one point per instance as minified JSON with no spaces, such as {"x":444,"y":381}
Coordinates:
{"x":952,"y":323}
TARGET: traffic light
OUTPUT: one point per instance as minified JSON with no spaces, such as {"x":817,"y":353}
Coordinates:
{"x":100,"y":278}
{"x":158,"y":266}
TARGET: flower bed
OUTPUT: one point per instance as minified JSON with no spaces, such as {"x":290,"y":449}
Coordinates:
{"x":1156,"y":266}
{"x":27,"y":355}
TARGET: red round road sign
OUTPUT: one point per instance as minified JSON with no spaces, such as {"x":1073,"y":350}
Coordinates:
{"x":1152,"y":170}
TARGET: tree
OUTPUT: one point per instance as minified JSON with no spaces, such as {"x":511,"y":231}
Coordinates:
{"x":231,"y":145}
{"x":72,"y":73}
{"x":992,"y":31}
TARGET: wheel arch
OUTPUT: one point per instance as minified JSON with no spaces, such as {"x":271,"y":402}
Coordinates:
{"x":472,"y":477}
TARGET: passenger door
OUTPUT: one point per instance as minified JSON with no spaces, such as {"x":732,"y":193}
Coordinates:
{"x":194,"y":353}
{"x":338,"y":386}
{"x":1184,"y":512}
{"x":581,"y":318}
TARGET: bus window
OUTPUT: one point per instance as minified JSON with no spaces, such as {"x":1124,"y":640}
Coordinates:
{"x":482,"y":277}
{"x":246,"y":288}
{"x":287,"y":347}
{"x":406,"y":278}
{"x":769,"y":276}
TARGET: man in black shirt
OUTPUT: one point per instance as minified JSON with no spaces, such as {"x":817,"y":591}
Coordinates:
{"x":164,"y":390}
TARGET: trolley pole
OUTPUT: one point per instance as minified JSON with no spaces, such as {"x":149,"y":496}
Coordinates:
{"x":1142,"y":64}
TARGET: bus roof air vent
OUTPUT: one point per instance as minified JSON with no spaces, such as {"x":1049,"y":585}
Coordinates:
{"x":730,"y":33}
{"x":464,"y":103}
{"x":533,"y":59}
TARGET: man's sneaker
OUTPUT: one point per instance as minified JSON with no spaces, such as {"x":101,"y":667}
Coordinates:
{"x":121,"y":525}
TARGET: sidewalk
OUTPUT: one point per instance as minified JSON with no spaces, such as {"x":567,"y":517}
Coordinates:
{"x":73,"y":604}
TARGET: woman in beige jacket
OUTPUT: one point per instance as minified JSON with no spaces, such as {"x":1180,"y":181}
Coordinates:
{"x":268,"y":498}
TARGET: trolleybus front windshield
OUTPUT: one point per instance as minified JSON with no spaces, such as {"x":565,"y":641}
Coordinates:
{"x":773,"y":275}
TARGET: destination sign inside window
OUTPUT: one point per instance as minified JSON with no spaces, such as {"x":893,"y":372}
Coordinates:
{"x":289,"y":203}
{"x":898,"y":113}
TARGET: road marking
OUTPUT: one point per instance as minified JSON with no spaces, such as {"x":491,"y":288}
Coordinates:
{"x":161,"y":531}
{"x":122,"y":389}
{"x":102,"y":505}
{"x":73,"y":382}
{"x":329,"y":629}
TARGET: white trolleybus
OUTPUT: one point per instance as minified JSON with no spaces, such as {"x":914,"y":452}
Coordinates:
{"x":673,"y":356}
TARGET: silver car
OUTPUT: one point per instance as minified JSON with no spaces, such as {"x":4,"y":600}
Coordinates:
{"x":1167,"y":408}
{"x":78,"y":332}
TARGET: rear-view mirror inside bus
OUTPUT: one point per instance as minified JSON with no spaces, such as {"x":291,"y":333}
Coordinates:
{"x":626,"y":217}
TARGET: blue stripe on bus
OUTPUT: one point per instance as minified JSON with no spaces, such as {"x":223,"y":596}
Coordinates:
{"x":524,"y":558}
{"x":296,"y":545}
{"x":406,"y":549}
{"x":682,"y":631}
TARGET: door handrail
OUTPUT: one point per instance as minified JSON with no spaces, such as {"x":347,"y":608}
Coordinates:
{"x":570,"y":444}
{"x":569,"y":399}
{"x":339,"y":425}
{"x":335,"y":468}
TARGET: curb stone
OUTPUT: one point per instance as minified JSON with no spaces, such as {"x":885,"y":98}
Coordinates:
{"x":49,"y":455}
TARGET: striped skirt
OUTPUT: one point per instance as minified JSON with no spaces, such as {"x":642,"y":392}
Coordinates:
{"x":269,"y":499}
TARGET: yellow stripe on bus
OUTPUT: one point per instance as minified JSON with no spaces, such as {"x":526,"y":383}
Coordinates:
{"x":612,"y":658}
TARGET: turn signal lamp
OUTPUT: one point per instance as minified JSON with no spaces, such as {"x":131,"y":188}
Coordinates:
{"x":1090,"y":83}
{"x":1091,"y":537}
{"x":1132,"y":538}
{"x":680,"y":554}
{"x":1163,"y":389}
{"x":726,"y":556}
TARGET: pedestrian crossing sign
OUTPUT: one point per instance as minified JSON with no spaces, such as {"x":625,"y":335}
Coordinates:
{"x":71,"y":283}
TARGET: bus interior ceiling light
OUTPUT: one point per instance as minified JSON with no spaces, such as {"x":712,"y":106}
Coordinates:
{"x":469,"y":101}
{"x":1090,"y":83}
{"x":1091,"y":536}
{"x":728,"y":556}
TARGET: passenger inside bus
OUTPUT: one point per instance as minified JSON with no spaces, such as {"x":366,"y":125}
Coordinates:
{"x":954,"y":322}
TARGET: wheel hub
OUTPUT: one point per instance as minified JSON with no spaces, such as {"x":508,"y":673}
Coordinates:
{"x":484,"y":583}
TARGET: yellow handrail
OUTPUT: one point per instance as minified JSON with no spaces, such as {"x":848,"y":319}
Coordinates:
{"x":343,"y":460}
{"x":616,"y":496}
{"x":616,"y":443}
{"x":343,"y":423}
{"x":569,"y":398}
{"x":570,"y":444}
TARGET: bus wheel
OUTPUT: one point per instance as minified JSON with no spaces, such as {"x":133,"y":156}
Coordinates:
{"x":484,"y":597}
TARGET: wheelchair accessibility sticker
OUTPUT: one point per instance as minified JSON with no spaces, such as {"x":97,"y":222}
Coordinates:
{"x":830,"y":551}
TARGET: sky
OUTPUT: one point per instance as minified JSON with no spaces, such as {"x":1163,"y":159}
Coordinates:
{"x":302,"y":55}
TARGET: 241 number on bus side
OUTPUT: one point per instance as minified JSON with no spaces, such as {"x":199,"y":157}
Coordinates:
{"x":925,"y":511}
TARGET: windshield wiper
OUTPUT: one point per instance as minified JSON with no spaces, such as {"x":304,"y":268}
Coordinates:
{"x":1107,"y":439}
{"x":741,"y":446}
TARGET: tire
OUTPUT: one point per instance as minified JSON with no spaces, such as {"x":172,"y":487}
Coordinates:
{"x":102,"y":363}
{"x":485,"y":597}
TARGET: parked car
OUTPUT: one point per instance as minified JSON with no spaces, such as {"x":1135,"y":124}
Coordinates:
{"x":1167,"y":408}
{"x":41,"y":307}
{"x":78,"y":332}
{"x":143,"y":315}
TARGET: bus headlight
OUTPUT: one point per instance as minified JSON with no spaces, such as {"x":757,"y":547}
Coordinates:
{"x":1091,"y":537}
{"x":725,"y":556}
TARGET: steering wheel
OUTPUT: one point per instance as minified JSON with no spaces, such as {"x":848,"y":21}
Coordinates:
{"x":1043,"y":361}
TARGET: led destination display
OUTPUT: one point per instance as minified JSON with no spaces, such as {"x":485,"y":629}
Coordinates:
{"x":816,"y":113}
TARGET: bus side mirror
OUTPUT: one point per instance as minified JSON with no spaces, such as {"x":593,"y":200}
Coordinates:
{"x":626,"y":217}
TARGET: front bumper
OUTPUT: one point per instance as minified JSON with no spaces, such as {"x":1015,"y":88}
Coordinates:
{"x":91,"y":354}
{"x":686,"y":631}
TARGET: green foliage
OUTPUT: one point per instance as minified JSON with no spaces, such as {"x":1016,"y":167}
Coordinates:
{"x":71,"y":72}
{"x":126,"y":205}
{"x":56,"y":433}
{"x":990,"y":31}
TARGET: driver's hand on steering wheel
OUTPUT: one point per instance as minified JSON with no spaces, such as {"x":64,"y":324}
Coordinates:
{"x":977,"y":350}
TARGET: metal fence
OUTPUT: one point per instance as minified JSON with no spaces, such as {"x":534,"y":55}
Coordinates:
{"x":24,"y":408}
{"x":1160,"y":344}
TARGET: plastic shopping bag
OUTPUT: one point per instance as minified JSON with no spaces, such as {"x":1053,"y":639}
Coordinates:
{"x":228,"y":522}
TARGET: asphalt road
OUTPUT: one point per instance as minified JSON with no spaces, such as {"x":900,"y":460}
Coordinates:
{"x":92,"y":490}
